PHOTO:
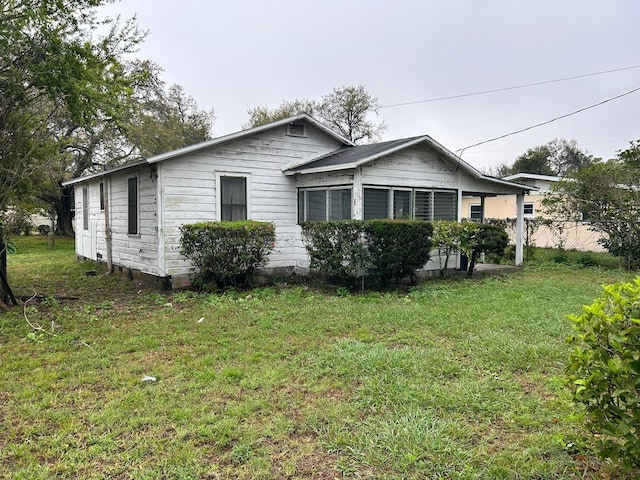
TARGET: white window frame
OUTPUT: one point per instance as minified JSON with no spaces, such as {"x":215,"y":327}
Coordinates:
{"x":533,"y":209}
{"x":389,"y":198}
{"x":303,"y":191}
{"x":471,"y":206}
{"x":85,"y":208}
{"x":431,"y":192}
{"x":101,"y":194}
{"x":219,"y":176}
{"x":137,"y":232}
{"x":392,"y":202}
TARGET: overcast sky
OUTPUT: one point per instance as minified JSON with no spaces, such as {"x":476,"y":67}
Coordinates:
{"x":234,"y":55}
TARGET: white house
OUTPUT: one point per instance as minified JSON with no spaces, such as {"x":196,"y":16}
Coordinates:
{"x":284,"y":172}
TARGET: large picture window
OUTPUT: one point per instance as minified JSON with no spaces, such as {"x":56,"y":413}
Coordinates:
{"x":132,"y":206}
{"x":233,"y":198}
{"x":322,"y":204}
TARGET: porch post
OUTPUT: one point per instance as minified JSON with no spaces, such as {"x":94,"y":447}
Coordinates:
{"x":357,"y":207}
{"x":519,"y":228}
{"x":482,"y":198}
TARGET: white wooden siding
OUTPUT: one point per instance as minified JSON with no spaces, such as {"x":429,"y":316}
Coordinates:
{"x":137,"y":252}
{"x":189,"y":192}
{"x":417,"y":167}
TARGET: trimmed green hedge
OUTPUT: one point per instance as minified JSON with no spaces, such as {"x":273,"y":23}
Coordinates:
{"x":397,"y":248}
{"x":227,"y":253}
{"x":388,"y":250}
{"x":337,"y":249}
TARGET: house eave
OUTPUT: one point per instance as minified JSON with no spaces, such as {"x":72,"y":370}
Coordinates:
{"x":102,"y":173}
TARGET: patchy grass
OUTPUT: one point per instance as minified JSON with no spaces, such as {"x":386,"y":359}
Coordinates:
{"x":456,"y":379}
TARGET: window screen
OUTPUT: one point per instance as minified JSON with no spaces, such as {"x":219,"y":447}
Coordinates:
{"x":445,"y":206}
{"x":422,"y":205}
{"x":132,"y":204}
{"x":324,"y":204}
{"x":376,"y":203}
{"x":233,"y":198}
{"x":402,"y":204}
{"x":340,"y":204}
{"x":317,"y":205}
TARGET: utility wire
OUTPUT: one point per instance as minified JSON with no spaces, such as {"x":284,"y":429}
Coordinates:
{"x":484,"y":92}
{"x":549,"y":121}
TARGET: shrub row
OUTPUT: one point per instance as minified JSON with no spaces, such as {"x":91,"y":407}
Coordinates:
{"x":226,"y":253}
{"x":388,"y":250}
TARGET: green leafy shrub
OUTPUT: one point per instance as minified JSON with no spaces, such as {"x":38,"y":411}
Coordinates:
{"x":336,"y":249}
{"x":227,"y":253}
{"x":388,"y":250}
{"x":446,"y":238}
{"x":397,"y":248}
{"x":43,"y":229}
{"x":477,"y":238}
{"x":604,"y":370}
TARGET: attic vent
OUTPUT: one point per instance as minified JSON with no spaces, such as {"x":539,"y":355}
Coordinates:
{"x":296,"y":130}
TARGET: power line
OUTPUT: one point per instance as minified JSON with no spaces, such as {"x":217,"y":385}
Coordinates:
{"x":549,"y":121}
{"x":484,"y":92}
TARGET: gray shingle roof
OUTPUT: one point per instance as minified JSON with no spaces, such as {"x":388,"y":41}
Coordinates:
{"x":352,"y":155}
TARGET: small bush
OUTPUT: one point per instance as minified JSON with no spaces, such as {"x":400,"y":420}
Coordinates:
{"x":336,"y":249}
{"x":227,"y":253}
{"x":476,"y":238}
{"x":397,"y":248}
{"x":446,"y":238}
{"x":43,"y":229}
{"x":604,"y":370}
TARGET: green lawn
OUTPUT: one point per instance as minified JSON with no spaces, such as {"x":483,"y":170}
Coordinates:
{"x":455,"y":379}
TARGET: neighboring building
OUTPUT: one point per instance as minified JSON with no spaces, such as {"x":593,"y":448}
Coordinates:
{"x":571,"y":234}
{"x":286,"y":172}
{"x":505,"y":206}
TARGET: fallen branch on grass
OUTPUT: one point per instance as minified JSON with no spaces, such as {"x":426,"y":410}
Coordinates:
{"x":36,"y":326}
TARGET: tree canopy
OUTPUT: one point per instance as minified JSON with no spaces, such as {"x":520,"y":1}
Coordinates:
{"x":347,"y":110}
{"x":51,"y":69}
{"x":71,"y":101}
{"x":558,"y":157}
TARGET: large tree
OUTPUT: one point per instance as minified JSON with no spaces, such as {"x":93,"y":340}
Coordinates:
{"x":167,"y":119}
{"x":71,"y":103}
{"x":348,"y":110}
{"x":606,"y":194}
{"x":558,"y":157}
{"x":53,"y":66}
{"x":159,"y":119}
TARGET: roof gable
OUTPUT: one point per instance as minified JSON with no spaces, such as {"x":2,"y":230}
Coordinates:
{"x":354,"y":156}
{"x":218,"y":141}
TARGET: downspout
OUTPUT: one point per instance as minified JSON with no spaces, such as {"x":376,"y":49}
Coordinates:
{"x":107,"y":223}
{"x":519,"y":228}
